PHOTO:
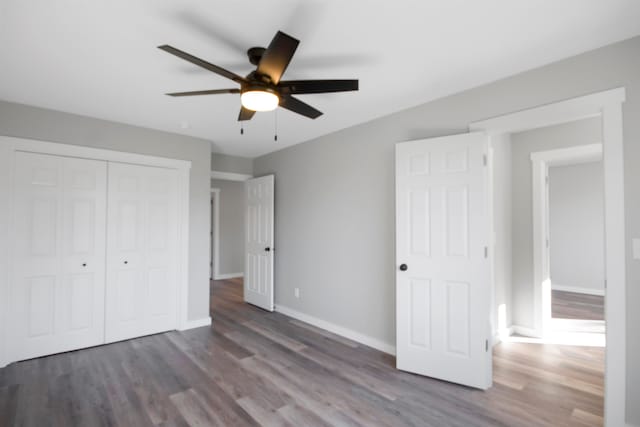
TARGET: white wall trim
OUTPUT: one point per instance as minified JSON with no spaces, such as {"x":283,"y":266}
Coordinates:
{"x":500,"y":335}
{"x":523,"y":330}
{"x":338,"y":330}
{"x":230,"y":176}
{"x":228,"y":276}
{"x":608,"y":105}
{"x":6,"y":177}
{"x":569,"y":155}
{"x":577,"y":289}
{"x":191,"y":324}
{"x":183,"y":245}
{"x":79,"y":151}
{"x":615,"y":265}
{"x":9,"y":145}
{"x":568,"y":110}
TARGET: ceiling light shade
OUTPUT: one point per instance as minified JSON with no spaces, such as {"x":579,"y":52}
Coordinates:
{"x":259,"y":100}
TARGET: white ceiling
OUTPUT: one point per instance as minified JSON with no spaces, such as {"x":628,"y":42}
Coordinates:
{"x":99,"y":58}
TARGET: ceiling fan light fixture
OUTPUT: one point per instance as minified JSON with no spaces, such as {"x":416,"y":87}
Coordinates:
{"x":259,"y":100}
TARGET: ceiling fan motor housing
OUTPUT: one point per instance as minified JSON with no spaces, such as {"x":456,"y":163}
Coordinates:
{"x":255,"y":54}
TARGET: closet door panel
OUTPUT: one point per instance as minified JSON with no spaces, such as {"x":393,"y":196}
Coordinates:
{"x":142,"y":237}
{"x":57,"y":280}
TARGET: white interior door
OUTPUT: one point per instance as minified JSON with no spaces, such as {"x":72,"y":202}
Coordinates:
{"x":58,"y":234}
{"x":142,"y":251}
{"x":258,"y":271}
{"x":443,"y":270}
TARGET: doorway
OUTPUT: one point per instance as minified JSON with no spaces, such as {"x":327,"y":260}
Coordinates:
{"x":607,"y":107}
{"x":572,"y":235}
{"x":227,"y":236}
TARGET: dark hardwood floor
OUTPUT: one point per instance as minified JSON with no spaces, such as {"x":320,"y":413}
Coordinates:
{"x":257,"y":368}
{"x":572,"y":305}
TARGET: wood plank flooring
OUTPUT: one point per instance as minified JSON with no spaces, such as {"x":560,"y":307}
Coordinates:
{"x":256,"y":368}
{"x":572,"y":305}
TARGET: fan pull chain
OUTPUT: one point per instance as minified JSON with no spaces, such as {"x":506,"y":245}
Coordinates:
{"x":241,"y":128}
{"x":275,"y":136}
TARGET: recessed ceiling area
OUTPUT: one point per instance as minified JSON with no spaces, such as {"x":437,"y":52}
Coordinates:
{"x":100,"y":58}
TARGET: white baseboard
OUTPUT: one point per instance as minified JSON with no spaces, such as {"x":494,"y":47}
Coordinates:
{"x":190,"y":324}
{"x":576,"y":289}
{"x":524,"y":330}
{"x":228,"y":276}
{"x":498,"y":335}
{"x":338,"y":330}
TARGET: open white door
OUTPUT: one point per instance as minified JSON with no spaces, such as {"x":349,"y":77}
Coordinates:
{"x":258,"y":270}
{"x":443,"y":291}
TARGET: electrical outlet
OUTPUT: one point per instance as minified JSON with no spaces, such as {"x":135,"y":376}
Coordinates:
{"x":296,"y":292}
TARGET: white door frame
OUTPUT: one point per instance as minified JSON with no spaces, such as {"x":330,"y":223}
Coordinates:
{"x":607,"y":105}
{"x":9,"y":145}
{"x":541,"y":161}
{"x":215,"y":195}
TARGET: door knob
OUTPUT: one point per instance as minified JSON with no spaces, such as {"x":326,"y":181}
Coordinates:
{"x":267,"y":249}
{"x":84,"y":264}
{"x":126,"y":262}
{"x":403,"y":267}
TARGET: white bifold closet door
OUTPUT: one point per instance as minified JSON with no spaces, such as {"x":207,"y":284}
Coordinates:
{"x":56,"y":294}
{"x":142,"y":236}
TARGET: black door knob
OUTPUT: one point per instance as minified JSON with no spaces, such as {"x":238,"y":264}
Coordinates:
{"x":403,"y":267}
{"x":267,"y":249}
{"x":126,"y":262}
{"x":84,"y":264}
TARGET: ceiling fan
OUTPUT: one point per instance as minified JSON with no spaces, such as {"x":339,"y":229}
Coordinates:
{"x":262,"y":89}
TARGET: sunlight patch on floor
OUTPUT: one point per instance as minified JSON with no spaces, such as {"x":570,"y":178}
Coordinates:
{"x":588,"y":333}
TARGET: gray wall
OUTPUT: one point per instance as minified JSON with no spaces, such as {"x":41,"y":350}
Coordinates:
{"x":502,"y":272}
{"x":231,"y":255}
{"x":49,"y":125}
{"x":576,"y":225}
{"x":580,"y":132}
{"x":335,"y":194}
{"x":235,"y":164}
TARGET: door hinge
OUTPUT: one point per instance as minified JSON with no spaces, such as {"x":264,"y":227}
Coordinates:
{"x":605,"y":283}
{"x":486,"y":345}
{"x":546,"y":179}
{"x":486,"y":252}
{"x":484,"y":159}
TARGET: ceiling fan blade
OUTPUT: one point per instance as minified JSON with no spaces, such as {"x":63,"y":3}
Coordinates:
{"x":245,"y":114}
{"x":204,"y":92}
{"x":292,"y":104}
{"x":201,"y":63}
{"x":317,"y":86}
{"x":277,"y":56}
